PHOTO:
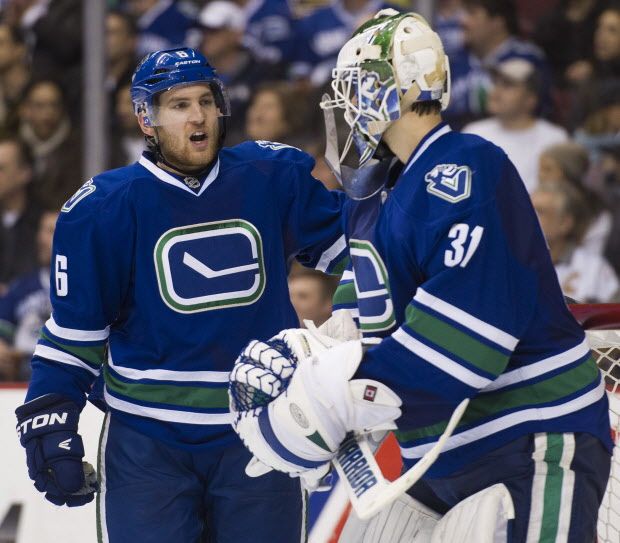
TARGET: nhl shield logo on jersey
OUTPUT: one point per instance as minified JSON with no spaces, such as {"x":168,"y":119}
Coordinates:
{"x":449,"y":182}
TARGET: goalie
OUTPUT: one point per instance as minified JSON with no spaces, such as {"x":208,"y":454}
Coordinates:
{"x":449,"y":269}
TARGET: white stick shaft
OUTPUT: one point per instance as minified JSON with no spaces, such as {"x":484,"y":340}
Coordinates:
{"x":368,"y":491}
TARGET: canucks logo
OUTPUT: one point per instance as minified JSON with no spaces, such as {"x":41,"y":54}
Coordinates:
{"x":209,"y":266}
{"x":371,"y":288}
{"x":449,"y":182}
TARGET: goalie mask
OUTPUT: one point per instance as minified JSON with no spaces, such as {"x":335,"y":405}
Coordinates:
{"x":390,"y":63}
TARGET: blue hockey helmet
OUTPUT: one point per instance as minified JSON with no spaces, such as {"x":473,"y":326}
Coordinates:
{"x":163,"y":70}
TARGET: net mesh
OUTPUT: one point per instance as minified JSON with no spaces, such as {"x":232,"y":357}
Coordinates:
{"x":606,"y":346}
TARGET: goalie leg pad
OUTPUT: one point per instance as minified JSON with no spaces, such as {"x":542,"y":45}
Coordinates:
{"x":406,"y":520}
{"x":481,"y":518}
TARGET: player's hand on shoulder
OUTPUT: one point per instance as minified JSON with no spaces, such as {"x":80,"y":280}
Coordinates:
{"x":47,"y":428}
{"x":293,"y":400}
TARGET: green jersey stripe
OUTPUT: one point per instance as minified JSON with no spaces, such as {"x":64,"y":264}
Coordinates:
{"x":492,"y":404}
{"x":553,"y":487}
{"x":480,"y":327}
{"x":345,"y":294}
{"x":182,"y":396}
{"x":455,"y":341}
{"x":93,"y":354}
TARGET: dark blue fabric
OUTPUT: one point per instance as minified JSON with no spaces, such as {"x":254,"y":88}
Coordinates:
{"x":155,"y":493}
{"x":513,"y":465}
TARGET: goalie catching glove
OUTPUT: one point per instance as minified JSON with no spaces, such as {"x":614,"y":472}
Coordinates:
{"x":293,"y":400}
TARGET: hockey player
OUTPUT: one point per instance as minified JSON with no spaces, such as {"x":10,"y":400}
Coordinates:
{"x":161,"y":272}
{"x":450,"y":270}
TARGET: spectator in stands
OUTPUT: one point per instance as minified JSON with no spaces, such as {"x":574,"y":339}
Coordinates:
{"x":600,"y":126}
{"x":566,"y":34}
{"x":54,"y":29}
{"x":25,"y":307}
{"x":491,"y":35}
{"x":127,"y":137}
{"x":222,"y":23}
{"x":583,"y":275}
{"x":604,"y":60}
{"x":278,"y":112}
{"x":320,"y":35}
{"x":449,"y":25}
{"x":20,"y":216}
{"x":515,"y":127}
{"x":162,"y":24}
{"x":268,"y":30}
{"x":14,"y":74}
{"x":120,"y":36}
{"x":610,"y":174}
{"x":47,"y":129}
{"x":311,"y":294}
{"x":569,"y":163}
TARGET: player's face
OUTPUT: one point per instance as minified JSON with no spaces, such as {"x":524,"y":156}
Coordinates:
{"x":187,"y":127}
{"x":308,"y":299}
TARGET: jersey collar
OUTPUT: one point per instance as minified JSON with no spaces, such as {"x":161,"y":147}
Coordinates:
{"x":440,"y":130}
{"x":166,"y":177}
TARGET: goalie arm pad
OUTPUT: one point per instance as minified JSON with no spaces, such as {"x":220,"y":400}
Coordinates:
{"x":302,"y":428}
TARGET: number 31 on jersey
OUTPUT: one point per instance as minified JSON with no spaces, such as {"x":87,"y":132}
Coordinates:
{"x":464,"y":245}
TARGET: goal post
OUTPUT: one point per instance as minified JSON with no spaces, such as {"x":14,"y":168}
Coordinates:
{"x":601,"y":323}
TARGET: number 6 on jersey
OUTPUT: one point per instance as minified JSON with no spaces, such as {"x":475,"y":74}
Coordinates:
{"x":61,"y":279}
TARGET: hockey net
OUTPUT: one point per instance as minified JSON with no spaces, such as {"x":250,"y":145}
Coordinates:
{"x":602,"y":325}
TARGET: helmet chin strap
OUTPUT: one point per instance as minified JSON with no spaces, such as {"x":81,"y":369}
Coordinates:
{"x":153,"y":146}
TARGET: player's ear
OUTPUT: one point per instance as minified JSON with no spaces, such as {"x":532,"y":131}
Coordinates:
{"x":145,"y":124}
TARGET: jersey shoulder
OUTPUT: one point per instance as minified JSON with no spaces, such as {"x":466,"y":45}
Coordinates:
{"x":455,"y":175}
{"x":265,"y":153}
{"x":101,"y":194}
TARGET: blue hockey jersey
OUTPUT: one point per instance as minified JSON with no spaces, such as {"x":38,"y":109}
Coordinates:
{"x":174,"y":277}
{"x":452,"y":270}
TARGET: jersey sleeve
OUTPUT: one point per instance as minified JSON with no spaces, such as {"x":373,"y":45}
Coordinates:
{"x":466,"y":318}
{"x":90,"y":275}
{"x":313,"y":229}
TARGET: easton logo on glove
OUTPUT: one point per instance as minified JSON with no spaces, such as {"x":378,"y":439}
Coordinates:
{"x":45,"y":419}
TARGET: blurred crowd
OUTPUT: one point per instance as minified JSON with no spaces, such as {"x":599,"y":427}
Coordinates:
{"x":540,"y":79}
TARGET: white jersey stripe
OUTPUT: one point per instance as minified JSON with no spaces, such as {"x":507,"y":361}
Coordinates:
{"x":76,"y":335}
{"x":169,"y":375}
{"x":332,"y":252}
{"x":169,"y":415}
{"x":101,"y":470}
{"x":426,"y":145}
{"x":507,"y":421}
{"x":539,"y":368}
{"x":452,"y":368}
{"x":484,"y":329}
{"x":56,"y":355}
{"x":568,"y":488}
{"x":538,"y":488}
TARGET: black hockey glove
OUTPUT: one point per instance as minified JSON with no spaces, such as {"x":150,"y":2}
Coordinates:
{"x":47,"y":428}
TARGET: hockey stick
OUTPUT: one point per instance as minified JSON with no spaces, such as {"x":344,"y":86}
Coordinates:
{"x":368,"y":490}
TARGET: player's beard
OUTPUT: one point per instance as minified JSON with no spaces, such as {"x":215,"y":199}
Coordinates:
{"x":180,"y":153}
